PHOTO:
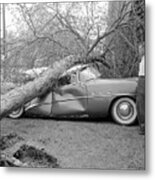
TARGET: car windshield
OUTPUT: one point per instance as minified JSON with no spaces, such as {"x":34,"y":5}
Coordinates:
{"x":78,"y":73}
{"x":88,"y":73}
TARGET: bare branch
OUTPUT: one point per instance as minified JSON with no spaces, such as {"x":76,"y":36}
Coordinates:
{"x":27,"y":18}
{"x":47,"y":23}
{"x":104,"y":35}
{"x":69,"y":26}
{"x":65,"y":23}
{"x":127,"y":40}
{"x":114,"y":27}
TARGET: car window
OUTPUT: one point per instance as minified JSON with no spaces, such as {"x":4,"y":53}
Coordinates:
{"x":68,"y":79}
{"x":88,"y":73}
{"x":74,"y":77}
{"x":64,"y":80}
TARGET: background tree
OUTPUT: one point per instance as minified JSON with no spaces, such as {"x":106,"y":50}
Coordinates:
{"x":125,"y":41}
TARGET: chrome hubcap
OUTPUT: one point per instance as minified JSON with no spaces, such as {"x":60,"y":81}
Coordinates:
{"x":125,"y":110}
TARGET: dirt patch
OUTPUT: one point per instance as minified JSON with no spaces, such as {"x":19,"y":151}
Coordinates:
{"x":9,"y":140}
{"x":34,"y":157}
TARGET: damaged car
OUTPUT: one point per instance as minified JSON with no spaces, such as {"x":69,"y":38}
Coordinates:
{"x":81,"y":92}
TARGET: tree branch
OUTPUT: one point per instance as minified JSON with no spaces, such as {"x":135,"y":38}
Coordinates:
{"x":99,"y":39}
{"x":127,"y":40}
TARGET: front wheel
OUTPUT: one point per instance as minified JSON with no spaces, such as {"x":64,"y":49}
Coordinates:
{"x":17,"y":113}
{"x":124,"y":111}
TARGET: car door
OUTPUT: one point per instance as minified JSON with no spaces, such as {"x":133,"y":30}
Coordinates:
{"x":40,"y":106}
{"x":98,"y":98}
{"x":95,"y":93}
{"x":70,"y":98}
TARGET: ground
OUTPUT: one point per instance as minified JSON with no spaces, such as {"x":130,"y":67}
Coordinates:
{"x":73,"y":144}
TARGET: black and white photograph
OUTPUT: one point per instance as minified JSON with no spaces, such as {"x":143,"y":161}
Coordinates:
{"x":72,"y":78}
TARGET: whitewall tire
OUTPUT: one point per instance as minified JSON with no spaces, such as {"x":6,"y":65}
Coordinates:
{"x":124,"y":111}
{"x":17,"y":113}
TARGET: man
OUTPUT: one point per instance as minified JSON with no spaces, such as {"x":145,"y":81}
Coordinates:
{"x":140,"y":100}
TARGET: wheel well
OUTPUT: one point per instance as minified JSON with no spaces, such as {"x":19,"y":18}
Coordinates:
{"x":118,"y":97}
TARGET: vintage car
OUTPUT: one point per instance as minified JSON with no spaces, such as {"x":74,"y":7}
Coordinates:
{"x":80,"y":92}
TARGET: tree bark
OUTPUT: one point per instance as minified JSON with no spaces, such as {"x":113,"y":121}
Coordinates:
{"x":21,"y":95}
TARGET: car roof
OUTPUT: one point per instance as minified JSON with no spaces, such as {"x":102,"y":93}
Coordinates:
{"x":77,"y":67}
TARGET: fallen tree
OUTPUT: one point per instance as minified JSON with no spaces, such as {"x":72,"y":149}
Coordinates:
{"x":21,"y":95}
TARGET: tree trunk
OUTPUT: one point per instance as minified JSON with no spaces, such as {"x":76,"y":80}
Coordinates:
{"x":19,"y":96}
